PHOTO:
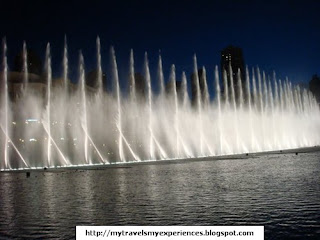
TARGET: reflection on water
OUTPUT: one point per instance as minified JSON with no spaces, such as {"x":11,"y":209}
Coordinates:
{"x":281,"y":192}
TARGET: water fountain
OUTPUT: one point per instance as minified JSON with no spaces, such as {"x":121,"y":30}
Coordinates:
{"x":76,"y":125}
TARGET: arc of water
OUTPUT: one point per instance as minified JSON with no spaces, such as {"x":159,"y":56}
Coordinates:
{"x":103,"y":160}
{"x":66,"y":161}
{"x":15,"y":148}
{"x":135,"y":157}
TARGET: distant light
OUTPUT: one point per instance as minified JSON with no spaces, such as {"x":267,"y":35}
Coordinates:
{"x":32,"y":120}
{"x":32,"y":140}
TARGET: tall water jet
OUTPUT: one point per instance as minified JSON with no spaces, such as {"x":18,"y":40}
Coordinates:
{"x":261,"y":105}
{"x":265,"y":92}
{"x":226,"y":88}
{"x":255,"y":93}
{"x":299,"y":99}
{"x":198,"y":102}
{"x":65,"y":66}
{"x":233,"y":99}
{"x":49,"y":83}
{"x":99,"y":69}
{"x":271,"y":98}
{"x":260,"y":90}
{"x":5,"y":103}
{"x":276,"y":91}
{"x":152,"y":139}
{"x":132,"y":82}
{"x":6,"y":115}
{"x":25,"y":67}
{"x":184,"y":90}
{"x":149,"y":106}
{"x":249,"y":107}
{"x":84,"y":119}
{"x":205,"y":95}
{"x":176,"y":110}
{"x":160,"y":76}
{"x":281,"y":96}
{"x":116,"y":87}
{"x":218,"y":97}
{"x":157,"y":128}
{"x":271,"y":104}
{"x":240,"y":90}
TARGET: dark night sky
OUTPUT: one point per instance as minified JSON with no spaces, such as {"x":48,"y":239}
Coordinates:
{"x":275,"y":35}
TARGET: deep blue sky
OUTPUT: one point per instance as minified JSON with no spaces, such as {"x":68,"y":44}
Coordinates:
{"x":276,"y":35}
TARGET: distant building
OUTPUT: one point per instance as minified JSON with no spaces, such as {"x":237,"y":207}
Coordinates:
{"x":234,"y":56}
{"x":34,"y":63}
{"x":314,"y":86}
{"x":169,"y":88}
{"x":92,"y":79}
{"x":140,"y":84}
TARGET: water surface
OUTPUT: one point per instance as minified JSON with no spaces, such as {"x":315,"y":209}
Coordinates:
{"x":281,"y":192}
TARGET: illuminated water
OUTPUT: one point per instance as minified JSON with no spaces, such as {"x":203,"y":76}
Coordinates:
{"x":71,"y":124}
{"x":281,"y":192}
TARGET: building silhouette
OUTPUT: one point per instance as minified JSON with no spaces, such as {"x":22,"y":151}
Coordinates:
{"x":169,"y":89}
{"x":34,"y":63}
{"x":314,"y":86}
{"x":233,"y":56}
{"x":140,"y":85}
{"x":92,"y":79}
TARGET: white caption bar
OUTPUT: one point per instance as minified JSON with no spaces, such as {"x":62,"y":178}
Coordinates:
{"x":170,"y":232}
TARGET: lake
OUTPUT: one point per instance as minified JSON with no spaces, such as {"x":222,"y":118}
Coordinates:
{"x":279,"y":191}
